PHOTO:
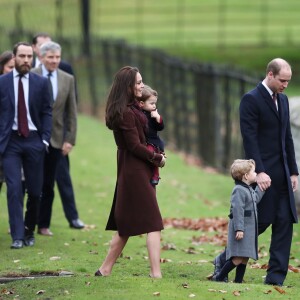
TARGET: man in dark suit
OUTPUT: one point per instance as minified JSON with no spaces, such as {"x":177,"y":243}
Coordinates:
{"x":25,"y":130}
{"x":64,"y":116}
{"x":63,"y":177}
{"x":267,"y":138}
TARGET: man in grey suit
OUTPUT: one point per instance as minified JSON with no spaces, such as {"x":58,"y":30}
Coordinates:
{"x":64,"y":125}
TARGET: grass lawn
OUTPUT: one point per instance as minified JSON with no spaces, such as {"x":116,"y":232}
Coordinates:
{"x":185,"y":191}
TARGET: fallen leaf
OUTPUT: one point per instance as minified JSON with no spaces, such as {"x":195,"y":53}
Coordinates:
{"x":40,"y":292}
{"x":279,"y":290}
{"x":16,"y":261}
{"x":192,"y":295}
{"x":164,"y":260}
{"x":236,"y":293}
{"x":191,"y":250}
{"x":168,"y":246}
{"x":185,"y":285}
{"x":87,"y":283}
{"x":294,"y":269}
{"x":7,"y":292}
{"x":55,"y":258}
{"x":66,"y":244}
{"x":156,"y":294}
{"x":268,"y":292}
{"x":212,"y":290}
{"x":222,"y":291}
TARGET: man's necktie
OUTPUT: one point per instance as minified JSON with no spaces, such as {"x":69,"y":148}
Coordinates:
{"x":22,"y":112}
{"x":274,"y":97}
{"x":50,"y":85}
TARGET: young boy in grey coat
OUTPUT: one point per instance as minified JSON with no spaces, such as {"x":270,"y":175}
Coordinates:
{"x":242,"y":227}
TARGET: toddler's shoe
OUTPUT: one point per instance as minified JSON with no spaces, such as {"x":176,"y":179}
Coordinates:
{"x":154,"y":180}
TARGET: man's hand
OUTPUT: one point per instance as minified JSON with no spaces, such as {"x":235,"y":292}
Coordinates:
{"x":294,"y":181}
{"x":66,"y":149}
{"x":239,"y":235}
{"x":263,"y":180}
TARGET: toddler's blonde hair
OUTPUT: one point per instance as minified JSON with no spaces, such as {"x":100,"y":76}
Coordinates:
{"x":240,"y":167}
{"x":147,"y":93}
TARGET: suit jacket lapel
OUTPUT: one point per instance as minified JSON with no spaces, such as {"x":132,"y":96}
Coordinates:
{"x":280,"y":103}
{"x":268,"y":99}
{"x":60,"y":85}
{"x":11,"y":89}
{"x":30,"y":92}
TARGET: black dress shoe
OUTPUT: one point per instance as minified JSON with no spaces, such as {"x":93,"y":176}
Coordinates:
{"x":17,"y":244}
{"x":29,"y":241}
{"x":98,"y":273}
{"x":77,"y":224}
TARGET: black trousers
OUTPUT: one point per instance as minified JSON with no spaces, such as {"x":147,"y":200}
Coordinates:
{"x":65,"y":188}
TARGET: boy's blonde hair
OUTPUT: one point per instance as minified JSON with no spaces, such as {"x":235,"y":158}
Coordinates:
{"x":240,"y":167}
{"x":147,"y":93}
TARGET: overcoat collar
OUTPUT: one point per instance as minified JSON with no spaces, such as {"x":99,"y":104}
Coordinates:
{"x":268,"y":99}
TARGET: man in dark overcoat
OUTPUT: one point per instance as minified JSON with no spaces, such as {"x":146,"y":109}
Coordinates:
{"x":267,"y":138}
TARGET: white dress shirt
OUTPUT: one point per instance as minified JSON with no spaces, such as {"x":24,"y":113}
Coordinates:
{"x":25,"y":82}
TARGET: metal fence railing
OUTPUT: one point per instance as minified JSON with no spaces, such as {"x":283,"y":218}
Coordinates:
{"x":199,"y":102}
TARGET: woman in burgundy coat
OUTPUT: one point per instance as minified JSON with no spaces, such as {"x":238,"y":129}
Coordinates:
{"x":135,"y":209}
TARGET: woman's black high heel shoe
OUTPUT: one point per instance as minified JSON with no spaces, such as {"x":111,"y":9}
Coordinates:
{"x":98,"y":273}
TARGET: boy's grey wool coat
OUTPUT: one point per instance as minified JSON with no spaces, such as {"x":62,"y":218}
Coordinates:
{"x":243,"y":217}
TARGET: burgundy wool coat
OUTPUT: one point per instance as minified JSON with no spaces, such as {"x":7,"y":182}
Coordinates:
{"x":135,"y":209}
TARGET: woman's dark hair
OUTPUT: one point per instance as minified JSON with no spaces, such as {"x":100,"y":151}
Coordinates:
{"x":121,"y":95}
{"x":5,"y":57}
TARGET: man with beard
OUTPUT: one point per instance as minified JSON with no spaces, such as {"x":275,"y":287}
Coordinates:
{"x":25,"y":131}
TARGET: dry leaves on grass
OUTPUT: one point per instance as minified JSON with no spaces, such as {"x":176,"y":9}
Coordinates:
{"x":205,"y":225}
{"x":7,"y":292}
{"x":265,"y":267}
